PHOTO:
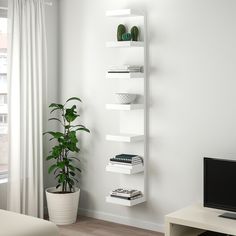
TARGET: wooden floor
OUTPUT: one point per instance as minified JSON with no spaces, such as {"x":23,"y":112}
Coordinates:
{"x":91,"y":227}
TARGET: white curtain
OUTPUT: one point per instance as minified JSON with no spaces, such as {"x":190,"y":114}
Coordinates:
{"x":27,"y":76}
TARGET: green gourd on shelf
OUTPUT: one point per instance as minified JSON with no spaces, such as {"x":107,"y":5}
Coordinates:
{"x":126,"y":37}
{"x":121,"y":29}
{"x":134,"y":33}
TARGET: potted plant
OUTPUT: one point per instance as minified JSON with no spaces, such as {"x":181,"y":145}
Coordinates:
{"x":63,"y":199}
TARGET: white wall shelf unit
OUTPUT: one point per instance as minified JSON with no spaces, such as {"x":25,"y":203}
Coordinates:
{"x":129,"y":138}
{"x":124,"y":44}
{"x":130,"y":170}
{"x":124,"y":13}
{"x":125,"y":75}
{"x":124,"y":107}
{"x":132,"y":124}
{"x":124,"y":202}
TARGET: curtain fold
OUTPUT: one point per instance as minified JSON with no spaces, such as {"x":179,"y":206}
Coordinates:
{"x":27,"y":79}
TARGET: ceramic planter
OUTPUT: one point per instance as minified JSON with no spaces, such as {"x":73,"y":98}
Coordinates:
{"x":62,"y":208}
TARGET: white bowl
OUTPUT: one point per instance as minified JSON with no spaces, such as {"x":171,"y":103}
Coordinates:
{"x":125,"y":98}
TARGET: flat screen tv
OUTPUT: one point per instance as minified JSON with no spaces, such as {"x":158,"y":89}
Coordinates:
{"x":220,"y":185}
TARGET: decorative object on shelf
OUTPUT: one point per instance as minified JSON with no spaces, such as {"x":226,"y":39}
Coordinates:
{"x":63,"y":199}
{"x":134,"y":33}
{"x":125,"y":69}
{"x":125,"y":98}
{"x":126,"y":37}
{"x":127,"y":194}
{"x":126,"y":159}
{"x":121,"y":29}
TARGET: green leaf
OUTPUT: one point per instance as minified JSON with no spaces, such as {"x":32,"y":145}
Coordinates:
{"x":71,"y":114}
{"x":74,"y":158}
{"x":73,"y":98}
{"x":56,"y":105}
{"x":51,"y":168}
{"x":55,"y":119}
{"x":54,"y":110}
{"x":55,"y":171}
{"x":71,"y":167}
{"x":61,"y":164}
{"x":73,"y":126}
{"x":58,"y":185}
{"x":50,"y":157}
{"x":72,"y":173}
{"x":83,"y":129}
{"x":75,"y":179}
{"x":62,"y":178}
{"x":66,"y":161}
{"x":57,"y":175}
{"x":54,"y":134}
{"x":72,"y":136}
{"x":71,"y":181}
{"x":56,"y":151}
{"x":78,"y":169}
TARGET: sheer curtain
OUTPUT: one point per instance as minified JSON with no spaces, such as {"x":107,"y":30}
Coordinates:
{"x":27,"y":76}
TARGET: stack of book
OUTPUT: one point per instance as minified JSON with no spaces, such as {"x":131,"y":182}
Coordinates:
{"x":126,"y":160}
{"x":127,"y":194}
{"x":124,"y":69}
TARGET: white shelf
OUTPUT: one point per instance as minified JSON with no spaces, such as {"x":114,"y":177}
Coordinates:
{"x":125,"y":137}
{"x":131,"y":75}
{"x":123,"y":13}
{"x":124,"y":44}
{"x":124,"y":202}
{"x":124,"y":107}
{"x":129,"y":170}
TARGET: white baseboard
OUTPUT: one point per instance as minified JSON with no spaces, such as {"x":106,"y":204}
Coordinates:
{"x":122,"y":220}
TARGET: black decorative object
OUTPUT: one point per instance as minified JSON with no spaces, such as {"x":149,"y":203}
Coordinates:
{"x":121,"y":29}
{"x":134,"y":33}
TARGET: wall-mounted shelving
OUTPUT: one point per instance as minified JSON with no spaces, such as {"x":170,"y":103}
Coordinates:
{"x":124,"y":107}
{"x":124,"y":44}
{"x":124,"y":202}
{"x":129,"y":170}
{"x":134,"y":119}
{"x":129,"y":138}
{"x":124,"y":13}
{"x":125,"y":75}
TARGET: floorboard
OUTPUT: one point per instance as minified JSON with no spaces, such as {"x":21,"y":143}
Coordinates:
{"x":92,"y":227}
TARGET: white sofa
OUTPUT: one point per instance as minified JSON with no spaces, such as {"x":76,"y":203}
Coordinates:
{"x":13,"y":224}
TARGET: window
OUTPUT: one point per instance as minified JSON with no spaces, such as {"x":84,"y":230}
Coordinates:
{"x":3,"y":118}
{"x":3,"y":99}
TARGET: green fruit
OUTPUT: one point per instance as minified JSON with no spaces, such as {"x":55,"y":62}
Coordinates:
{"x":120,"y":31}
{"x":126,"y":37}
{"x":134,"y":33}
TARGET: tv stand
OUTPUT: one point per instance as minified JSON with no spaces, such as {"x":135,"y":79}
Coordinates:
{"x":194,"y":220}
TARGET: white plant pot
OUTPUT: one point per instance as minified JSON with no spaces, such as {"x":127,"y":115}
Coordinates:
{"x":62,"y":208}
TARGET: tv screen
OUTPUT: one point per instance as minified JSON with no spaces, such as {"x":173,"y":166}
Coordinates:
{"x":220,"y":184}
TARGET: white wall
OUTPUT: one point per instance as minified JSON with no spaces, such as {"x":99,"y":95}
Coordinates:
{"x":192,"y":57}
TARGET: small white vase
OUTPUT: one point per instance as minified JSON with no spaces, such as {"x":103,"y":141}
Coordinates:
{"x":62,"y":207}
